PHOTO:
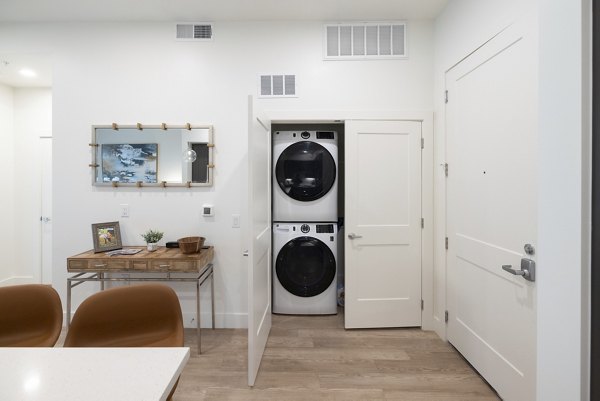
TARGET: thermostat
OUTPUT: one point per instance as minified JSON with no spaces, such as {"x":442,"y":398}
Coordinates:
{"x":208,"y":210}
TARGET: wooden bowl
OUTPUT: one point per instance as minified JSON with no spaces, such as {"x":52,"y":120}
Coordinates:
{"x":189,"y":245}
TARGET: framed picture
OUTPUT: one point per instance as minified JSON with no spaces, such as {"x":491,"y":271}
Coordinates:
{"x":107,"y":236}
{"x":129,"y":162}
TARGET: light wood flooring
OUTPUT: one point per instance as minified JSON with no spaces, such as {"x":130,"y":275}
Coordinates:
{"x":313,"y":358}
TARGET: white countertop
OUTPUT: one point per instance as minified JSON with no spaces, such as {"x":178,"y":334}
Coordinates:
{"x":90,"y":374}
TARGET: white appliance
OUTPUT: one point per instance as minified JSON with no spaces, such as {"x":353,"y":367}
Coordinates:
{"x":305,"y":176}
{"x":305,"y":268}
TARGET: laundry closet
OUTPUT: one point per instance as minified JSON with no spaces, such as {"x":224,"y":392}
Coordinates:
{"x":307,"y":213}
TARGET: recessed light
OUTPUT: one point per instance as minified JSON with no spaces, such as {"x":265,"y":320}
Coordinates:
{"x":26,"y":72}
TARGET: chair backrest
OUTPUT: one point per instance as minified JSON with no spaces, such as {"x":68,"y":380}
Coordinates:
{"x":134,"y":316}
{"x":30,"y":316}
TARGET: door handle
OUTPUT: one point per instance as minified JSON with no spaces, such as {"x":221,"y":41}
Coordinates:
{"x":246,"y":253}
{"x":527,"y":269}
{"x":354,"y":236}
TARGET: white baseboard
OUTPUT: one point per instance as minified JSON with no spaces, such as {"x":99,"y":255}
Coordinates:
{"x":222,"y":320}
{"x":16,"y":280}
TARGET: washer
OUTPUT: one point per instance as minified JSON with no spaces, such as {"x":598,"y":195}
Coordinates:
{"x":304,"y":268}
{"x":305,"y":176}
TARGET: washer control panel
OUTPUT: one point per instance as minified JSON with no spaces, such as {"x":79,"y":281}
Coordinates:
{"x":305,"y":228}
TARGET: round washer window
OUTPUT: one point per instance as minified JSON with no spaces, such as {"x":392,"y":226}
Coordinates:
{"x":305,"y":266}
{"x":305,"y":171}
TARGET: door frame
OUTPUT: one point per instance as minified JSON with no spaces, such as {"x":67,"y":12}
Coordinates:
{"x":425,"y":117}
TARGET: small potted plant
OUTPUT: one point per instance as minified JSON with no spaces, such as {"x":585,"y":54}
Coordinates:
{"x":152,"y":237}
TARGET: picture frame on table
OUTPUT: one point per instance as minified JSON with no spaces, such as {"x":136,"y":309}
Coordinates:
{"x":106,"y":236}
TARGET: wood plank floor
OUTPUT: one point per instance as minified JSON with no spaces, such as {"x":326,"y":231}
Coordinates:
{"x":313,"y":358}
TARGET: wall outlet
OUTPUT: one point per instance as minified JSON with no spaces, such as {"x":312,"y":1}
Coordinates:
{"x":235,"y":221}
{"x":125,"y":210}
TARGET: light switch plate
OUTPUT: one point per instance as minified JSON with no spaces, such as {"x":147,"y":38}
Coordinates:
{"x":235,"y":220}
{"x":124,"y":210}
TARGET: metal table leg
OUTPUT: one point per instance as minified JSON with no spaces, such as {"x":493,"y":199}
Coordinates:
{"x":198,"y":315}
{"x":212,"y":296}
{"x":68,"y":303}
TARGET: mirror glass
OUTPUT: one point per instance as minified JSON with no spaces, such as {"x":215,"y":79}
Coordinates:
{"x":152,"y":156}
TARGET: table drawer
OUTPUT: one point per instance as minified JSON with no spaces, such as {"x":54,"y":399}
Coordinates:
{"x":97,"y":265}
{"x":78,"y":265}
{"x":139,"y":265}
{"x":174,"y":265}
{"x":108,"y":264}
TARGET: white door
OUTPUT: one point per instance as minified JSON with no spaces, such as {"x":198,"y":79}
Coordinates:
{"x":46,"y":209}
{"x":258,"y":237}
{"x":383,"y":224}
{"x":491,"y":211}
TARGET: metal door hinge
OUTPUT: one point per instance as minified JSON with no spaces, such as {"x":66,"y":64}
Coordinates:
{"x":446,"y":242}
{"x":422,"y":222}
{"x":446,"y":169}
{"x":446,"y":316}
{"x":422,"y":143}
{"x":446,"y":97}
{"x":422,"y":304}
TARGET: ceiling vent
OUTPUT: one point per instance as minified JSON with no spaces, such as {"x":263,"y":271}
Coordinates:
{"x":371,"y":40}
{"x":277,"y":85}
{"x":194,"y":32}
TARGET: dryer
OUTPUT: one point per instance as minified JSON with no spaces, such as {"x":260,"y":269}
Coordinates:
{"x":305,"y":268}
{"x":305,"y":176}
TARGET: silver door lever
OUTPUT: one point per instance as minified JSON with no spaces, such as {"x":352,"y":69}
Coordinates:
{"x":354,"y":236}
{"x":527,"y":269}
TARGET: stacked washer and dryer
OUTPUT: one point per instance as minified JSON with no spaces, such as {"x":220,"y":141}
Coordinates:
{"x":305,"y":214}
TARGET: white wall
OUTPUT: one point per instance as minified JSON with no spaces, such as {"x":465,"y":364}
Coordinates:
{"x":125,"y":73}
{"x":32,"y":119}
{"x":7,"y":202}
{"x":563,"y":217}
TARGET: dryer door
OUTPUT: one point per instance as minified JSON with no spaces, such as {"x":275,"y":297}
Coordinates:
{"x":305,"y":266}
{"x":305,"y":171}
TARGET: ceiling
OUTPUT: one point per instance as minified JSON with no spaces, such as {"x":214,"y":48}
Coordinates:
{"x":192,"y":11}
{"x":12,"y":64}
{"x":216,"y":10}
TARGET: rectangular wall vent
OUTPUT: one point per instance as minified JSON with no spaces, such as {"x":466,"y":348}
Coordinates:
{"x":371,"y":40}
{"x":194,"y":31}
{"x":277,"y":85}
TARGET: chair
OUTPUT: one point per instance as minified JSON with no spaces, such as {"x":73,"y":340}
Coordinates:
{"x":30,"y":316}
{"x":134,"y":316}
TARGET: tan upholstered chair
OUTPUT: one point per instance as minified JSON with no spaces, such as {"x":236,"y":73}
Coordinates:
{"x":134,"y":316}
{"x":30,"y":316}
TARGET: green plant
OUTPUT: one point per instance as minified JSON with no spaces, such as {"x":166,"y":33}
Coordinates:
{"x":152,"y":236}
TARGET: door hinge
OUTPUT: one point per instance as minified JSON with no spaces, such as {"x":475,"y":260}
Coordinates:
{"x":446,"y":96}
{"x":422,"y":304}
{"x":422,"y":143}
{"x":446,"y":316}
{"x":446,"y":169}
{"x":446,"y":242}
{"x":422,"y":222}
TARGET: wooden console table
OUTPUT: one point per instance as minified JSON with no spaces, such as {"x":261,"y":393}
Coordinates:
{"x":170,"y":262}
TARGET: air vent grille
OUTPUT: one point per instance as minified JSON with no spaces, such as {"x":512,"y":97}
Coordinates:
{"x":365,"y":41}
{"x":194,"y":32}
{"x":277,"y":85}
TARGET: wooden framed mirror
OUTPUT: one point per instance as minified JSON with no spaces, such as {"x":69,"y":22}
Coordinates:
{"x":152,"y":156}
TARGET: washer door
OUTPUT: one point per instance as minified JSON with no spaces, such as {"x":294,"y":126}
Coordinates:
{"x":305,"y":266}
{"x":305,"y":171}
